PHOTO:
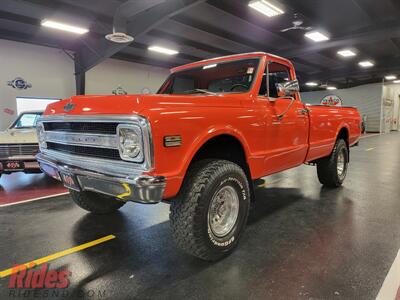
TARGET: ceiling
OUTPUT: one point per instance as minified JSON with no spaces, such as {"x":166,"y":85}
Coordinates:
{"x":221,"y":27}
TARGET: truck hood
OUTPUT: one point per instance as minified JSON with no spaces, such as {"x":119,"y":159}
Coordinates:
{"x":138,"y":104}
{"x":18,"y":136}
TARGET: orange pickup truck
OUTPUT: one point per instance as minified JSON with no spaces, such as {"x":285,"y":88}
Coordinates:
{"x":213,"y":127}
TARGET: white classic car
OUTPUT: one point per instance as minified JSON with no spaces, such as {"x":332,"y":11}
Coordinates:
{"x":19,"y":145}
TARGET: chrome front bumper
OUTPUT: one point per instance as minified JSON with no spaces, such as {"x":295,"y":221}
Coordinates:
{"x":136,"y":187}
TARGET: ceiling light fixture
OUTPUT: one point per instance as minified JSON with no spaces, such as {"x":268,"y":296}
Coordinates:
{"x":366,"y":64}
{"x":396,"y":81}
{"x":266,"y":8}
{"x":346,"y":53}
{"x":331,"y":88}
{"x":316,"y":36}
{"x":64,"y":27}
{"x":391,"y":77}
{"x":311,"y":83}
{"x":163,"y":50}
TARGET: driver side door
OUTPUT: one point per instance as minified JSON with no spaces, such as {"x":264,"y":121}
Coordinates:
{"x":287,"y":137}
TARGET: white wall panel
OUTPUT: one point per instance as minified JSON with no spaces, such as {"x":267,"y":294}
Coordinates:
{"x":48,"y":70}
{"x":367,"y":98}
{"x":132,"y":77}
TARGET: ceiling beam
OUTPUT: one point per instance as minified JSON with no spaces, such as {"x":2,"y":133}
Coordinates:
{"x":221,"y":33}
{"x":359,"y":38}
{"x":139,"y":25}
{"x":230,"y":9}
{"x":159,"y":33}
{"x":388,"y":64}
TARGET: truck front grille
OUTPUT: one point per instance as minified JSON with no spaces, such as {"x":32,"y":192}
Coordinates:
{"x":82,"y":127}
{"x":85,"y":151}
{"x":82,"y":138}
{"x":10,"y":150}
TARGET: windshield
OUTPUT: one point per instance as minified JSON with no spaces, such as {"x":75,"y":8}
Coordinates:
{"x":226,"y":77}
{"x":26,"y":120}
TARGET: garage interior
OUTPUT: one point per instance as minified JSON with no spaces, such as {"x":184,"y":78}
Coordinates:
{"x":302,"y":240}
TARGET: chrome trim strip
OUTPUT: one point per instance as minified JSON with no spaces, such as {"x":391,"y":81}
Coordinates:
{"x":18,"y":157}
{"x":100,"y":165}
{"x":82,"y":139}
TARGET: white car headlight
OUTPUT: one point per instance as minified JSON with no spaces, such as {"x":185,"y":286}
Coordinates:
{"x":41,"y":136}
{"x":130,"y":143}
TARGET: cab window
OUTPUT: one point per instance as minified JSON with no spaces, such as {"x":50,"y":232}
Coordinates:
{"x":275,"y":73}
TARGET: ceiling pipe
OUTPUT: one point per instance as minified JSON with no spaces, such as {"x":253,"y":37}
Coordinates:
{"x":123,"y":14}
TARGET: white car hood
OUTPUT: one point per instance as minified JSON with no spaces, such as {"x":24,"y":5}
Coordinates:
{"x":18,"y":136}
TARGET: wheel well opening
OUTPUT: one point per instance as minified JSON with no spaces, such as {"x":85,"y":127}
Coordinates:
{"x":344,"y":134}
{"x":224,"y":147}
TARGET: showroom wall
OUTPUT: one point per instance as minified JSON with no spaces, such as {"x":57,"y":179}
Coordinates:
{"x":49,"y":73}
{"x":45,"y":73}
{"x":131,"y":77}
{"x":367,"y":98}
{"x":391,"y":108}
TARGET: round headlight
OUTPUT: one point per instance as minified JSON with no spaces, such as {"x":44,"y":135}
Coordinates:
{"x":129,"y":143}
{"x":41,"y":136}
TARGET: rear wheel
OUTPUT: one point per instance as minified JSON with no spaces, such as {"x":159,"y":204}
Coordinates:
{"x":96,"y":203}
{"x":332,"y":170}
{"x":209,"y":215}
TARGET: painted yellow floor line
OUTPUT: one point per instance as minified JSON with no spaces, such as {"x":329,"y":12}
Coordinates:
{"x":54,"y":256}
{"x":369,"y":149}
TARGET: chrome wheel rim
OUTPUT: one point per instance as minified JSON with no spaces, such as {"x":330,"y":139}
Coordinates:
{"x":341,"y":164}
{"x":223,"y":211}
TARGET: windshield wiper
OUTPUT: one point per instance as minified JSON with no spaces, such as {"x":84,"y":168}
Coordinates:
{"x":201,"y":91}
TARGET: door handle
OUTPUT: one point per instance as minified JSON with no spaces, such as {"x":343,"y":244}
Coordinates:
{"x":303,"y":111}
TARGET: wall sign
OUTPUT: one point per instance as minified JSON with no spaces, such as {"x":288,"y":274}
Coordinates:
{"x":145,"y":91}
{"x":332,"y":100}
{"x":119,"y":91}
{"x":9,"y":111}
{"x":19,"y":83}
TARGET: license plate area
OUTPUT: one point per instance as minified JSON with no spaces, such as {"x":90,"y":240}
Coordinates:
{"x":13,"y":165}
{"x":69,"y":181}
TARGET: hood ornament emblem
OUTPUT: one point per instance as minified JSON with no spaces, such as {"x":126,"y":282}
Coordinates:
{"x":68,"y":107}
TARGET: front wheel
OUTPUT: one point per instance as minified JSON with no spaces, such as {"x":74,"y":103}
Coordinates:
{"x":209,"y":215}
{"x":332,"y":170}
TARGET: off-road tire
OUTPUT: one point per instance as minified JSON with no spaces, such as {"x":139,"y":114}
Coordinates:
{"x":189,"y":211}
{"x":96,"y":203}
{"x":327,"y":168}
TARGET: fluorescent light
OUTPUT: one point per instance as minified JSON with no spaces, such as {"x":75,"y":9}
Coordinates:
{"x":346,"y":53}
{"x":266,"y":8}
{"x":396,"y":81}
{"x":316,"y":36}
{"x":163,"y":50}
{"x":64,"y":27}
{"x":331,"y":88}
{"x":366,"y":64}
{"x":311,"y":83}
{"x":209,"y":66}
{"x":391,"y":77}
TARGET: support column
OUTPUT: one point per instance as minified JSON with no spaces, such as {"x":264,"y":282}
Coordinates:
{"x":80,"y":75}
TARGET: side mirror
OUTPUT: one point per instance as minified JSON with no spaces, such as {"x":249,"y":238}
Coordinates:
{"x":288,"y":88}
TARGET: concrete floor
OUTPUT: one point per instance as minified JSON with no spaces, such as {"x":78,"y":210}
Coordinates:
{"x":302,"y":241}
